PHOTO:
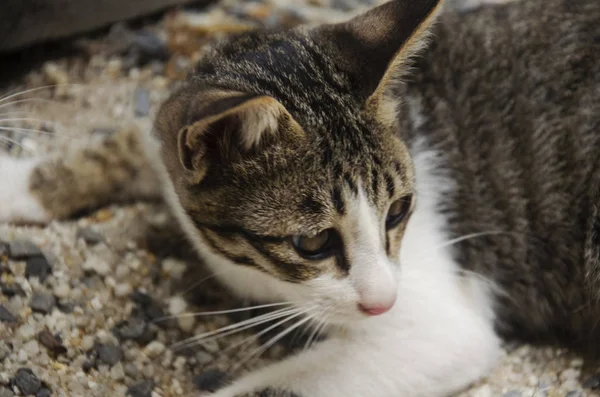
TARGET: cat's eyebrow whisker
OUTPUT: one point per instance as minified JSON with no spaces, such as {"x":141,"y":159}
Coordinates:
{"x":258,"y":352}
{"x":237,"y":327}
{"x":211,"y":313}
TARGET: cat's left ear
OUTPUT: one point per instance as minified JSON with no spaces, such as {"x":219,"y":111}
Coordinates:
{"x":372,"y":48}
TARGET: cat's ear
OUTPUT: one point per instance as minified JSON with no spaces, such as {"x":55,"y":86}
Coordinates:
{"x":230,"y":126}
{"x":372,"y":47}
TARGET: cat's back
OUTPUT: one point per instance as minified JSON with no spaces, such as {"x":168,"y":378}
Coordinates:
{"x":511,"y":96}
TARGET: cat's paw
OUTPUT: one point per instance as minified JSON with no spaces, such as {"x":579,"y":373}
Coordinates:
{"x":17,"y":203}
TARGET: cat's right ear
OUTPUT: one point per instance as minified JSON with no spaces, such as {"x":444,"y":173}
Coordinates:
{"x":229,"y":127}
{"x":371,"y":47}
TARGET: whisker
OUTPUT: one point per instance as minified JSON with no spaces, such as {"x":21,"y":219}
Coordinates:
{"x":9,"y":141}
{"x":243,"y":309}
{"x":258,"y":352}
{"x":9,"y":96}
{"x":25,"y":130}
{"x":251,"y":322}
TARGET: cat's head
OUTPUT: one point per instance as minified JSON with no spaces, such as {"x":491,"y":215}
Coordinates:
{"x":285,"y":160}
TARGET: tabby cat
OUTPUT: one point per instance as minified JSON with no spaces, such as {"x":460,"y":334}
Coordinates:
{"x":426,"y":209}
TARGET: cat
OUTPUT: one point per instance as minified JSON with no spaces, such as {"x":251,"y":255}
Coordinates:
{"x":427,"y":182}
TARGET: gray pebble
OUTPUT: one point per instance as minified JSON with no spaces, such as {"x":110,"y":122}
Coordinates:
{"x":42,"y":303}
{"x":26,"y":381}
{"x":38,"y":266}
{"x":203,"y":358}
{"x":6,"y":316}
{"x":142,"y":102}
{"x":135,"y":329}
{"x":11,"y":290}
{"x":150,"y":46}
{"x":23,"y":249}
{"x":89,"y":235}
{"x":210,"y":381}
{"x":512,"y":393}
{"x":4,"y":392}
{"x":4,"y":250}
{"x":141,"y":389}
{"x":593,"y":382}
{"x":43,"y":392}
{"x":109,"y":354}
{"x":4,"y":350}
{"x":131,"y":370}
{"x":574,"y":393}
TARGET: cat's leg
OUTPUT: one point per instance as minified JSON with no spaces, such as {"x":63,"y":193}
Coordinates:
{"x":41,"y":189}
{"x":410,"y":353}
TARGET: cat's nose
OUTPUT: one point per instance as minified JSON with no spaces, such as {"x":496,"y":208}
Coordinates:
{"x":375,"y":310}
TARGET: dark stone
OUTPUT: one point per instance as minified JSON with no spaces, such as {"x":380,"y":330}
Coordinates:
{"x":26,"y":381}
{"x":141,"y":298}
{"x":6,"y":316}
{"x":109,"y":354}
{"x":89,"y":235}
{"x":136,"y":329}
{"x":11,"y":290}
{"x":51,"y":342}
{"x":150,"y":309}
{"x":141,"y":389}
{"x":66,"y":307}
{"x":38,"y":266}
{"x":42,"y":303}
{"x":23,"y":249}
{"x":88,"y":366}
{"x":593,"y":382}
{"x":4,"y":249}
{"x":211,"y":380}
{"x":142,"y":102}
{"x":43,"y":392}
{"x":149,"y":46}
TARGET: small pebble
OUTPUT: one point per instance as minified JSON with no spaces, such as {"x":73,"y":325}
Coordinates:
{"x":154,"y":349}
{"x":177,"y":305}
{"x":51,"y":342}
{"x":142,"y":102}
{"x":38,"y":266}
{"x":109,"y":354}
{"x":150,"y":46}
{"x":12,"y":289}
{"x":23,"y":249}
{"x":210,"y":381}
{"x":122,"y":290}
{"x":4,"y":350}
{"x":94,"y":264}
{"x":42,"y":303}
{"x":62,"y":290}
{"x":4,"y":392}
{"x":141,"y":389}
{"x":6,"y":316}
{"x":574,"y":393}
{"x":593,"y":382}
{"x":512,"y":393}
{"x":32,"y":348}
{"x":26,"y":381}
{"x":89,"y":235}
{"x":43,"y":392}
{"x":135,"y":329}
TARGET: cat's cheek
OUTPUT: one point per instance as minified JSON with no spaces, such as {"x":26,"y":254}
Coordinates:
{"x":17,"y":203}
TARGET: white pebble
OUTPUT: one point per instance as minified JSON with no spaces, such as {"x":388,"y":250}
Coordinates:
{"x":96,"y":304}
{"x":186,"y":323}
{"x":116,"y":372}
{"x":174,"y":268}
{"x":123,"y":289}
{"x":87,"y":342}
{"x":22,"y":356}
{"x":32,"y":348}
{"x":62,"y":290}
{"x":154,"y":349}
{"x":26,"y":332}
{"x":177,"y":305}
{"x":97,"y":265}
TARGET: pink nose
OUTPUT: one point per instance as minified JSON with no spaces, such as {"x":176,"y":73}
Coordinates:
{"x":375,"y":310}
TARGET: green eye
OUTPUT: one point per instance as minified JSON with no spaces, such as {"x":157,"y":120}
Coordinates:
{"x":315,"y":247}
{"x":397,"y":212}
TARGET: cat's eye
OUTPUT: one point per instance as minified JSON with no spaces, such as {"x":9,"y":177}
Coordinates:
{"x":397,"y":212}
{"x":315,"y":247}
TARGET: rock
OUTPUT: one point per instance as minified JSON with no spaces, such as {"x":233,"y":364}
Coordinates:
{"x":574,"y":393}
{"x":210,"y":381}
{"x":42,"y":303}
{"x":32,"y":348}
{"x":6,"y":316}
{"x":593,"y":382}
{"x":95,"y":264}
{"x":61,"y":290}
{"x":38,"y":266}
{"x":12,"y":289}
{"x":51,"y":342}
{"x":26,"y":381}
{"x":43,"y":392}
{"x":109,"y":354}
{"x":154,"y":349}
{"x":89,"y":235}
{"x":141,"y":389}
{"x":136,"y":329}
{"x":4,"y":249}
{"x":150,"y":308}
{"x":4,"y":350}
{"x":142,"y":102}
{"x":23,"y":249}
{"x":4,"y":392}
{"x":149,"y":46}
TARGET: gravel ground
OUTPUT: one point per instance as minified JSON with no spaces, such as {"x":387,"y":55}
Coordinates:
{"x":83,"y":302}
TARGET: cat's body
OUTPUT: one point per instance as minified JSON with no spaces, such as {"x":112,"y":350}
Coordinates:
{"x":498,"y":164}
